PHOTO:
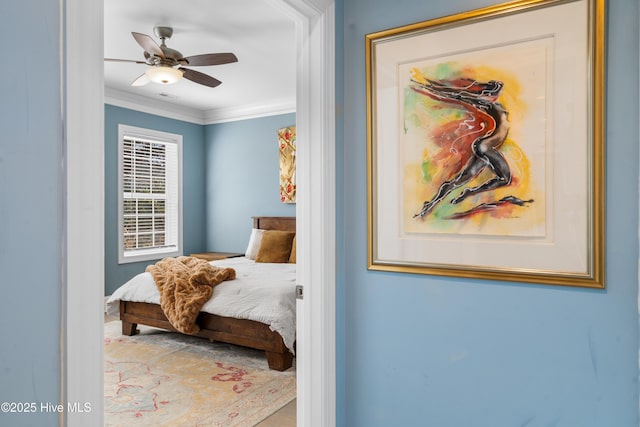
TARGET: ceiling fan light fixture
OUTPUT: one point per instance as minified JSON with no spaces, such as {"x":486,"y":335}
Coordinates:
{"x":164,"y":75}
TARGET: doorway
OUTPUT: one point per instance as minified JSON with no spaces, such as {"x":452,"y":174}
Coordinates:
{"x":82,"y":321}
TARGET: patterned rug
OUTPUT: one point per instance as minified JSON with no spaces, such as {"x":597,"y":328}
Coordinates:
{"x":159,"y":378}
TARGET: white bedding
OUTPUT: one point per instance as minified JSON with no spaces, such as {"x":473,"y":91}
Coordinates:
{"x":261,"y":291}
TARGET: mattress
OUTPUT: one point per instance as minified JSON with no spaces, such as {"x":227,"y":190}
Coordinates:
{"x":263,"y":292}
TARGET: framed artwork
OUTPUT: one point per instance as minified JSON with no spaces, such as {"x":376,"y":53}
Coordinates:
{"x":287,"y":143}
{"x":486,"y":144}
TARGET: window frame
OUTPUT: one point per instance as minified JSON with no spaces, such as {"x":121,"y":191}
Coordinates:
{"x":154,"y":136}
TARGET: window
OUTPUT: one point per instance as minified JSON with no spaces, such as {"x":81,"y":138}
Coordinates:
{"x":149,"y":194}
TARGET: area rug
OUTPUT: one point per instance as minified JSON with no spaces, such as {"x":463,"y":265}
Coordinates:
{"x":159,"y":378}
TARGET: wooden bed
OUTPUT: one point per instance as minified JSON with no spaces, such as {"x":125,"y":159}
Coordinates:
{"x":247,"y":333}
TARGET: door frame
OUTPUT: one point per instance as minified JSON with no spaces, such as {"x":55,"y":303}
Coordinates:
{"x":82,"y":321}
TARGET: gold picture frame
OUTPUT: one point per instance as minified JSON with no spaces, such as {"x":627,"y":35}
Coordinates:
{"x":485,"y":144}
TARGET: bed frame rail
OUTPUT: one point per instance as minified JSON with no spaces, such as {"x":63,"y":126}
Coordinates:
{"x":246,"y":333}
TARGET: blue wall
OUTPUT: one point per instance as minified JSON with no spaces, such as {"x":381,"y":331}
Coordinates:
{"x":31,"y":208}
{"x":193,"y":185}
{"x":243,"y":179}
{"x":428,"y":351}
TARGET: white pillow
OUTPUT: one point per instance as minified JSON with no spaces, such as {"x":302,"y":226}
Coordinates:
{"x":254,"y":243}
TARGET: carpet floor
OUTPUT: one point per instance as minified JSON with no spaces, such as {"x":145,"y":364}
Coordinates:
{"x":159,"y":378}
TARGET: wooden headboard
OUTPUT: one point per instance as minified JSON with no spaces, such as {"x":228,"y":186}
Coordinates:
{"x":285,"y":223}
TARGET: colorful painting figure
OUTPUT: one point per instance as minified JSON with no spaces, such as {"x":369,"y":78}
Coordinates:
{"x":480,"y":100}
{"x":474,"y":144}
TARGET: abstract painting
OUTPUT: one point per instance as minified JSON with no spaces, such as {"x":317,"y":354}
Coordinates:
{"x":473,"y":152}
{"x":485,"y":153}
{"x":287,"y":143}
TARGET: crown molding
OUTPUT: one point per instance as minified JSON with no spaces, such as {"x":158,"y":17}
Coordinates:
{"x":145,"y":104}
{"x":148,"y":105}
{"x":231,"y":114}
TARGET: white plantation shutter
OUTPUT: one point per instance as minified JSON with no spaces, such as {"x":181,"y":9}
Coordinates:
{"x":149,"y":196}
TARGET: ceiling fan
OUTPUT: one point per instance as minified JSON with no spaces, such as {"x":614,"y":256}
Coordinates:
{"x":167,"y":66}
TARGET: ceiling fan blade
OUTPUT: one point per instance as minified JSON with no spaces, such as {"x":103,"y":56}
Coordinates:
{"x":141,"y":81}
{"x":211,"y":59}
{"x":123,"y":60}
{"x":200,"y":78}
{"x":148,"y":44}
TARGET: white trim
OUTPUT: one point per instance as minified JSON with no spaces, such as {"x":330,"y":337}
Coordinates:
{"x":83,"y":328}
{"x":316,"y":210}
{"x":232,"y":114}
{"x":82,"y":370}
{"x":152,"y":106}
{"x":161,"y":108}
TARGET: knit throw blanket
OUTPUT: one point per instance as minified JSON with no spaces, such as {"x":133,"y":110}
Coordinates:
{"x":185,"y":285}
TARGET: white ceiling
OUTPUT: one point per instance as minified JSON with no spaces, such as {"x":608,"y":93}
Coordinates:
{"x":262,"y":37}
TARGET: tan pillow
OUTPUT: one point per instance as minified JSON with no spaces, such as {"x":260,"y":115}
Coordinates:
{"x":292,"y":257}
{"x":275,"y":246}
